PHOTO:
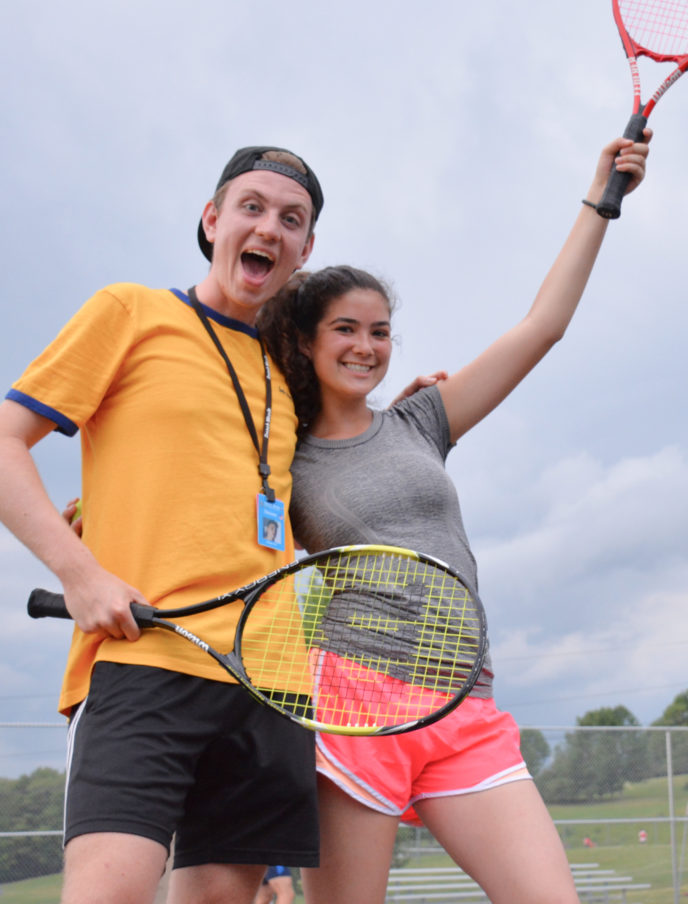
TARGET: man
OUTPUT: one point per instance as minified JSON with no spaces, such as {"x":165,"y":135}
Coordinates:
{"x":160,"y":742}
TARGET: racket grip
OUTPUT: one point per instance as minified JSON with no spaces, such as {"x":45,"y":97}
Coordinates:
{"x":46,"y":604}
{"x":610,"y":205}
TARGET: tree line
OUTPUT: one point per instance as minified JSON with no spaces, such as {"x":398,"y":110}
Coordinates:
{"x":592,"y":765}
{"x":30,"y":803}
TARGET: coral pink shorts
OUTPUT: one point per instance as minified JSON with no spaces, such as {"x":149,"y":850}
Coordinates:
{"x":474,"y":748}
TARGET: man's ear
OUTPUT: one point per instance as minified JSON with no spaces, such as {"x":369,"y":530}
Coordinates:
{"x":209,"y":220}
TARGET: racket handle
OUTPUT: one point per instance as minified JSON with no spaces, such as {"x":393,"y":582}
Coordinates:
{"x":610,"y":205}
{"x":46,"y":604}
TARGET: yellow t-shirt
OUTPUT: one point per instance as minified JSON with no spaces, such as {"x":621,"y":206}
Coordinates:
{"x":170,"y":474}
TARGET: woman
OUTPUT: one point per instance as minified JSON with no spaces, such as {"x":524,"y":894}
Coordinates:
{"x":364,"y":476}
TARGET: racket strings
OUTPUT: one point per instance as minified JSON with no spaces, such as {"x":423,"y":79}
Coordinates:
{"x":364,"y":640}
{"x":659,"y":26}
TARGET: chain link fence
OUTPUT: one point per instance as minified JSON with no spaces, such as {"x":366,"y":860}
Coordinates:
{"x":619,"y":798}
{"x":32,"y":756}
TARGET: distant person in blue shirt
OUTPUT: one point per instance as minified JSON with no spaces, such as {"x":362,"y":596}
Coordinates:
{"x":277,"y":887}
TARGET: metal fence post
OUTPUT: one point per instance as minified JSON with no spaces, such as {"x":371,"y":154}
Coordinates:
{"x":672,"y":818}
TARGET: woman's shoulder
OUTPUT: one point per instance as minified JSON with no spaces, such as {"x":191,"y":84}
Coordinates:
{"x":424,"y":411}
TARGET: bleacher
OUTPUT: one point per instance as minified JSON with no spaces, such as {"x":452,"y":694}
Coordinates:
{"x":449,"y":883}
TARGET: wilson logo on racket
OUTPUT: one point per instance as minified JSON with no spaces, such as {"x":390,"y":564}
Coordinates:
{"x":192,"y":637}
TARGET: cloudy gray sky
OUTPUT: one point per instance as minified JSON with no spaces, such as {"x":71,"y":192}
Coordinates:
{"x":454,"y":142}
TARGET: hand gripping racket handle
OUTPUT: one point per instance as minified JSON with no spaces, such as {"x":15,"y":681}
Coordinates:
{"x":46,"y":604}
{"x":610,"y":205}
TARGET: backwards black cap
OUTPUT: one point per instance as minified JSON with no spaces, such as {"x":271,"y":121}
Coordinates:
{"x":247,"y":159}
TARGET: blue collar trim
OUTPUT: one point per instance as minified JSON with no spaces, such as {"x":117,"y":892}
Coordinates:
{"x":212,"y":314}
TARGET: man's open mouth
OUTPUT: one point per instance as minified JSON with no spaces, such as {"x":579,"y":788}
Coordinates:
{"x":257,"y":264}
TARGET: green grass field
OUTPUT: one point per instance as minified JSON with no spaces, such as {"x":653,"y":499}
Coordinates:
{"x":45,"y":890}
{"x":616,"y":846}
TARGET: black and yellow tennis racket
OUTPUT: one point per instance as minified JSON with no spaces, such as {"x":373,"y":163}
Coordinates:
{"x":358,"y":640}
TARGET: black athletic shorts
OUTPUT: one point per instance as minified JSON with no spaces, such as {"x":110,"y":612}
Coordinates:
{"x":154,"y":752}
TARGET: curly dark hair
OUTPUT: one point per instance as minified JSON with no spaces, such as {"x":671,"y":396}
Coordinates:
{"x":291,"y":318}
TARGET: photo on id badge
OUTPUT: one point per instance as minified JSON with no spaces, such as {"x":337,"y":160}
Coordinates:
{"x":270,"y":522}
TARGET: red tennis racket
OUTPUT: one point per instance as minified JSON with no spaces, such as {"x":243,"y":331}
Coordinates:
{"x":657,"y":29}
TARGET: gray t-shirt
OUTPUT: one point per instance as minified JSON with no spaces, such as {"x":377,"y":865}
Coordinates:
{"x":388,"y":486}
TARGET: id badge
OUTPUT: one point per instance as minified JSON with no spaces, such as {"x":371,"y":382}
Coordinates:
{"x":270,"y":522}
